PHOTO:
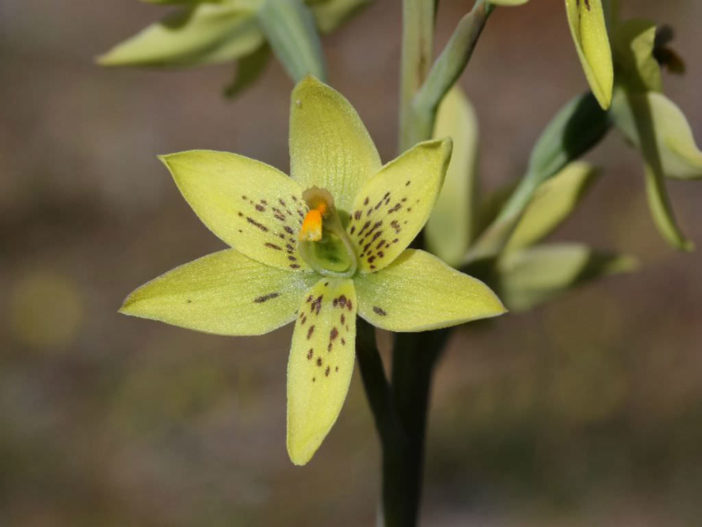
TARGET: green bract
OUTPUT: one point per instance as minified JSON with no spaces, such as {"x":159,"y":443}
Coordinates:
{"x":265,"y":281}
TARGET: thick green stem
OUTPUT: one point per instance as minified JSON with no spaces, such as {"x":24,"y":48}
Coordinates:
{"x":414,"y":358}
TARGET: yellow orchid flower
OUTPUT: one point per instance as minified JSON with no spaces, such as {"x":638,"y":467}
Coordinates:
{"x":317,"y":248}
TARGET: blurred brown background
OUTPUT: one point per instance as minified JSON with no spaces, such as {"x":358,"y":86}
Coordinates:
{"x":585,"y":412}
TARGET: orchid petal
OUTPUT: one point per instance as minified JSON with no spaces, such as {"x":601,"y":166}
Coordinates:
{"x":224,"y":293}
{"x":251,"y":206}
{"x":320,"y":364}
{"x":392,"y":207}
{"x":419,"y":292}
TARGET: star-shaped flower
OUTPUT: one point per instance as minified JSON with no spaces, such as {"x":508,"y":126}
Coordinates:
{"x":318,"y":248}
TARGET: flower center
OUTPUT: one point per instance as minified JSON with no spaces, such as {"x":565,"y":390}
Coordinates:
{"x":324,"y":244}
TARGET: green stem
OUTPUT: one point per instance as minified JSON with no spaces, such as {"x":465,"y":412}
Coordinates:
{"x":420,"y":112}
{"x":417,"y":47}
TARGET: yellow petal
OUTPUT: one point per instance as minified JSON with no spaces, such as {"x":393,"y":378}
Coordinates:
{"x":419,"y":292}
{"x":320,"y":365}
{"x":224,"y":293}
{"x":329,"y":145}
{"x":251,"y":206}
{"x":392,"y":208}
{"x":587,"y":26}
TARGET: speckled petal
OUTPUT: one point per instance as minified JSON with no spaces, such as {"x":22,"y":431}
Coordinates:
{"x":419,"y":292}
{"x":224,"y":293}
{"x":320,"y":364}
{"x":250,"y":205}
{"x":330,"y":147}
{"x":391,"y":209}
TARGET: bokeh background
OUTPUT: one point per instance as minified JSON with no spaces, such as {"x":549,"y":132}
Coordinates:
{"x":585,"y":412}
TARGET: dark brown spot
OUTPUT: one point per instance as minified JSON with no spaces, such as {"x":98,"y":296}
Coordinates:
{"x":294,"y":266}
{"x":310,"y":331}
{"x":257,"y":224}
{"x":397,"y":207}
{"x":314,"y":379}
{"x":288,"y":229}
{"x":273,"y":246}
{"x":243,"y":196}
{"x":343,"y":342}
{"x":260,"y":208}
{"x":282,"y":202}
{"x":336,"y":369}
{"x":379,"y":311}
{"x":407,"y":183}
{"x":319,"y":361}
{"x":292,"y":258}
{"x":349,"y":305}
{"x":326,"y":372}
{"x":353,"y":229}
{"x":264,"y":298}
{"x":357,"y":215}
{"x":343,"y":318}
{"x":310,"y":353}
{"x":333,"y":333}
{"x":365,"y":201}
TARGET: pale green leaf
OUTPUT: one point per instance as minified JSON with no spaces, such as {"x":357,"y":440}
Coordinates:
{"x":320,"y":364}
{"x":679,"y":155}
{"x":634,"y":41}
{"x":634,"y":112}
{"x":330,"y":14}
{"x":329,"y":145}
{"x":224,"y":293}
{"x":291,"y":32}
{"x":251,"y":206}
{"x":205,"y":33}
{"x":248,"y":70}
{"x":529,"y":277}
{"x":587,"y":26}
{"x":393,"y":206}
{"x":552,"y":203}
{"x":450,"y":228}
{"x":419,"y":292}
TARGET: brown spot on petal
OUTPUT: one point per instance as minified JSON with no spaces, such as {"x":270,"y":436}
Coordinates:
{"x":310,"y":331}
{"x":379,"y":311}
{"x":264,"y":298}
{"x":310,"y":353}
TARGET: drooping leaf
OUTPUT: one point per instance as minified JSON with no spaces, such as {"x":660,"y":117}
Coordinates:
{"x":552,"y":203}
{"x":224,"y":293}
{"x":248,"y":70}
{"x":450,"y":228}
{"x":330,"y":14}
{"x":679,"y":154}
{"x":320,"y":364}
{"x":419,"y":292}
{"x":291,"y":32}
{"x":529,"y":277}
{"x":587,"y":26}
{"x":204,"y":33}
{"x":330,"y":147}
{"x":248,"y":204}
{"x":393,"y":206}
{"x":634,"y":43}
